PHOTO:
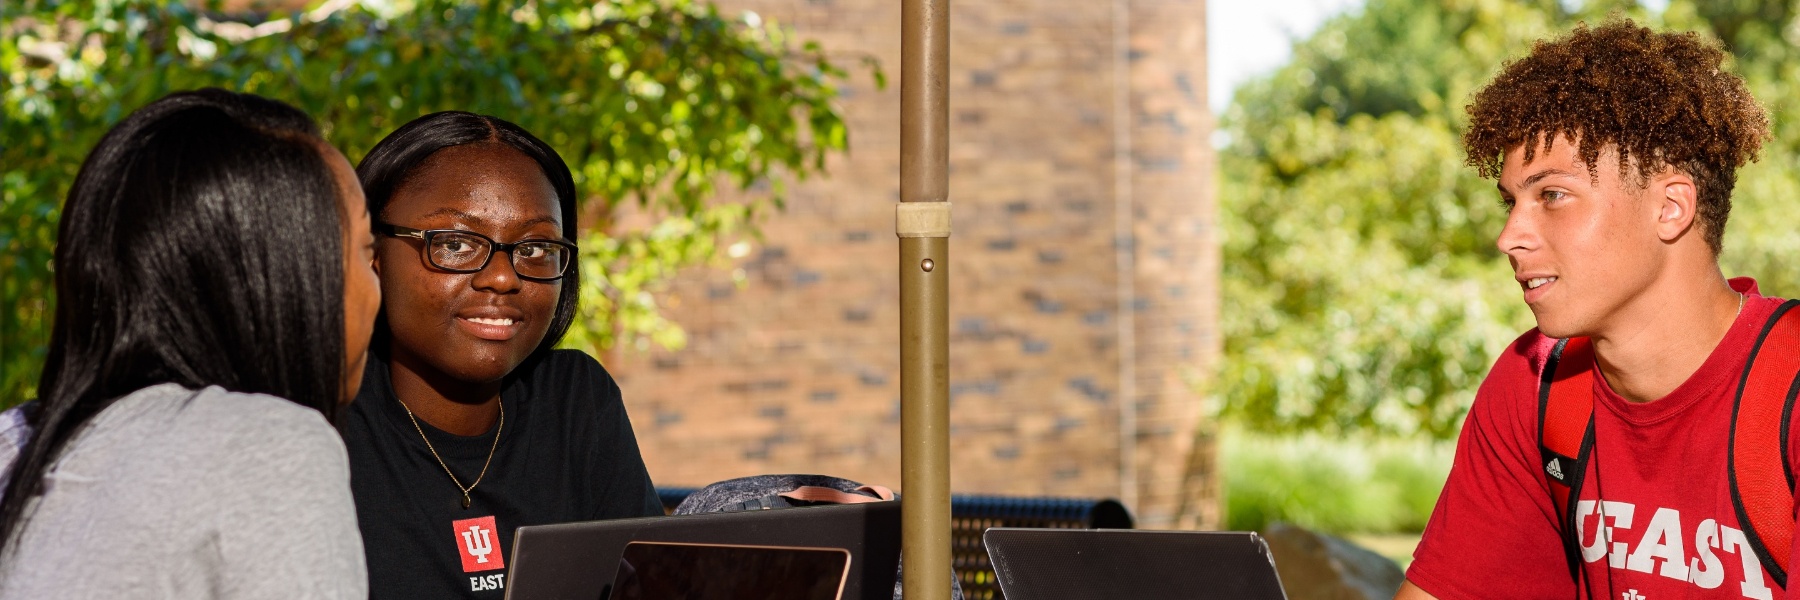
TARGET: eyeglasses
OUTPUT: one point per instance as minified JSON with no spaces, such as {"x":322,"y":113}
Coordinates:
{"x":461,"y":251}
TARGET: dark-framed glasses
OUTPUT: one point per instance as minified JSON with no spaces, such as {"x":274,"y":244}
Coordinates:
{"x":460,"y":251}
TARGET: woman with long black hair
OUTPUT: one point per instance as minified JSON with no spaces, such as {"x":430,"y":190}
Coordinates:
{"x":214,"y":305}
{"x":470,"y":423}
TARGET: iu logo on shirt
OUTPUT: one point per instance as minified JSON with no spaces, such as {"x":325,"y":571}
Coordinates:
{"x":479,"y":544}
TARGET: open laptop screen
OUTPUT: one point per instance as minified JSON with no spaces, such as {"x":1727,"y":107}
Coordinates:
{"x":1079,"y":564}
{"x":668,"y":571}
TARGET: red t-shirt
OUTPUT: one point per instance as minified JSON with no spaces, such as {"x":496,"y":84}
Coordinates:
{"x":1658,"y":482}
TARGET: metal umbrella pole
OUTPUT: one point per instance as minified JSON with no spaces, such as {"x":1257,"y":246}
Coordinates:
{"x":922,"y":220}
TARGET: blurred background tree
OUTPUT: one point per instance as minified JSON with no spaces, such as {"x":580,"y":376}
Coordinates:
{"x":1362,"y":291}
{"x":654,"y":103}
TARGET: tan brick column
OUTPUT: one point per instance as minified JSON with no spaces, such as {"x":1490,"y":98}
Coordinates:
{"x":1175,"y":262}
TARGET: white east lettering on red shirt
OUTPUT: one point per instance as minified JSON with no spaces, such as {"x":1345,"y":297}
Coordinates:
{"x":1753,"y":586}
{"x":1663,"y":550}
{"x":1662,"y":540}
{"x":1705,"y":570}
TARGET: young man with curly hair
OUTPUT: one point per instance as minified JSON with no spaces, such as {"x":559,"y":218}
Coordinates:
{"x":1615,"y":150}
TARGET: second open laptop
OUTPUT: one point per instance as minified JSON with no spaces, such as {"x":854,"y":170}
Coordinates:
{"x":1098,"y":564}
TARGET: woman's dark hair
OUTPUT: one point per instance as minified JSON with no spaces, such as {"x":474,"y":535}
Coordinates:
{"x":201,"y":244}
{"x":398,"y":156}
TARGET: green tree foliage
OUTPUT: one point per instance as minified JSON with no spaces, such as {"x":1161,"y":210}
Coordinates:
{"x":654,"y":103}
{"x":1361,"y":287}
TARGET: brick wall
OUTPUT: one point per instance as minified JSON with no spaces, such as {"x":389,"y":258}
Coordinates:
{"x":1084,"y":270}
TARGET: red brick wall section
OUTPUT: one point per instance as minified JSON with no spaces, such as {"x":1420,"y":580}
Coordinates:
{"x":1176,"y":259}
{"x":796,"y":370}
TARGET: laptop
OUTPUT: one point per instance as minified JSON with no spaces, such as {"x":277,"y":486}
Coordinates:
{"x":579,"y":560}
{"x":665,"y":571}
{"x":1078,"y":564}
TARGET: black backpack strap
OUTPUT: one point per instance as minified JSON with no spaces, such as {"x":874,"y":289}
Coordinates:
{"x":1566,"y":435}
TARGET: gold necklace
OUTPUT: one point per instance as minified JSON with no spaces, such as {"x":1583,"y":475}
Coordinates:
{"x":440,"y":459}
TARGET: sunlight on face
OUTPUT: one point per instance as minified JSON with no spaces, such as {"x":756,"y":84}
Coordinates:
{"x":1582,"y":243}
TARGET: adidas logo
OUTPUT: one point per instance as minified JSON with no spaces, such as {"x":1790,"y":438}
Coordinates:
{"x":1632,"y":595}
{"x":1554,"y":468}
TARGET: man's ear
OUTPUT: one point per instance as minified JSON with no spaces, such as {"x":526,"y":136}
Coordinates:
{"x":1677,"y":203}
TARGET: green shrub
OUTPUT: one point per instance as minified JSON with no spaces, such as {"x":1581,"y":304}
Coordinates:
{"x":1333,"y":485}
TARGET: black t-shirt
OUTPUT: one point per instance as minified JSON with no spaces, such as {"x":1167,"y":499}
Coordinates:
{"x":566,"y":453}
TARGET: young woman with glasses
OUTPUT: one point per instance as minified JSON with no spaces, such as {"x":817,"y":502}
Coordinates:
{"x":214,"y":302}
{"x":470,"y":423}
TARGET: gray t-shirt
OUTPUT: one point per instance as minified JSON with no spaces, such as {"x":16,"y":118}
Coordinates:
{"x":172,"y":493}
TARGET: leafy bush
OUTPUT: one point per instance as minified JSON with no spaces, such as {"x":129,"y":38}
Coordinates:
{"x":1332,"y":485}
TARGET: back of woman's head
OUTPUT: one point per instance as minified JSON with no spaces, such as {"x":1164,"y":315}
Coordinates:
{"x":201,"y":245}
{"x":393,"y":161}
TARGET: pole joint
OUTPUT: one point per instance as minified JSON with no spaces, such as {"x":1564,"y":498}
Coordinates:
{"x":922,"y":219}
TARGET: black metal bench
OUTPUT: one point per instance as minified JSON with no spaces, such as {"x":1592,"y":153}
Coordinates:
{"x":971,"y":515}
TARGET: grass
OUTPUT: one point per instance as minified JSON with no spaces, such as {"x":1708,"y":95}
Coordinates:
{"x":1363,"y":488}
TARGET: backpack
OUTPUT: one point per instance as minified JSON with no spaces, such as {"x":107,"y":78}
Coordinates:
{"x":766,"y":492}
{"x":1762,"y":481}
{"x":763,"y":492}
